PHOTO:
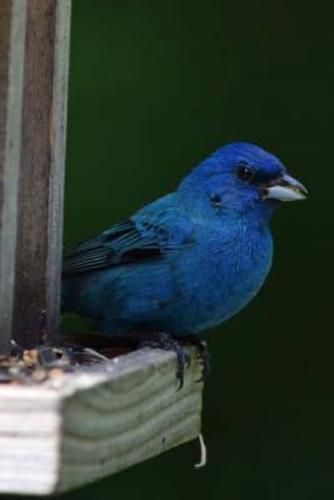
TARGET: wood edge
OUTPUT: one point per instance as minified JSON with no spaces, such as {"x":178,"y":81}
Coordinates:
{"x":89,"y":376}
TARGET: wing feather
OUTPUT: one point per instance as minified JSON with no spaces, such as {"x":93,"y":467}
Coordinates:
{"x":124,"y":243}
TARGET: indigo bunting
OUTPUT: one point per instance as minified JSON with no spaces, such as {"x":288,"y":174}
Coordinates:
{"x":189,"y":260}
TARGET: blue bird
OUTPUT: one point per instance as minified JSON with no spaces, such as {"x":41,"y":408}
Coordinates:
{"x":189,"y":260}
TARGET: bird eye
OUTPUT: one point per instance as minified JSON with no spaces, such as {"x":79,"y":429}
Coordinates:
{"x":216,"y":200}
{"x":244,"y":172}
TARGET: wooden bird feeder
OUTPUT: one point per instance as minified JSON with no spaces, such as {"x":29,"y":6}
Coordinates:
{"x":71,"y":428}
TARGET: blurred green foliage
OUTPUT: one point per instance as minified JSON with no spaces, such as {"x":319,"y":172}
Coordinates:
{"x":154,"y":87}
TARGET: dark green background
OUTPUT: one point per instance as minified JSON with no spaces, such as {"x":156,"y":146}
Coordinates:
{"x":155,"y":86}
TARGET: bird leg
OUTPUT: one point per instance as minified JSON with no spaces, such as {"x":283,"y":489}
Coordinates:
{"x":135,"y":340}
{"x":203,"y":353}
{"x":160,"y":340}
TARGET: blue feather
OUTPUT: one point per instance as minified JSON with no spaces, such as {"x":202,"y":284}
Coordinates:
{"x":187,"y":261}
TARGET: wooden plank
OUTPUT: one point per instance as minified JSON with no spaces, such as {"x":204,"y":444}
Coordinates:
{"x":79,"y":428}
{"x":41,"y":176}
{"x":12,"y":39}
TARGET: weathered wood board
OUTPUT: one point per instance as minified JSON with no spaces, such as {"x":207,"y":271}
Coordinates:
{"x":81,"y":427}
{"x":41,"y":171}
{"x":12,"y":38}
{"x":34,"y":63}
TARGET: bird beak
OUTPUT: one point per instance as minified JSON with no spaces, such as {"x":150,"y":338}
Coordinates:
{"x":285,"y":189}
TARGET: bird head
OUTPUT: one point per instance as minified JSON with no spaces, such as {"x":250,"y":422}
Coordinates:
{"x":240,"y":178}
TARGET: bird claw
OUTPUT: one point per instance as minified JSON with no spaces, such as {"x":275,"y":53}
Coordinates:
{"x":205,"y":361}
{"x":165,"y":342}
{"x":183,"y":361}
{"x":203,"y":354}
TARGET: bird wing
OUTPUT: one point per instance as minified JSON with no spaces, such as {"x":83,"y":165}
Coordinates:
{"x":134,"y":240}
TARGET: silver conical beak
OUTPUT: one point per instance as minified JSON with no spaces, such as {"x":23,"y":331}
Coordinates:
{"x":286,"y":189}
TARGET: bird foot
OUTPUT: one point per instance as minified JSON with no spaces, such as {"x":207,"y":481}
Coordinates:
{"x":203,"y":354}
{"x":165,"y":342}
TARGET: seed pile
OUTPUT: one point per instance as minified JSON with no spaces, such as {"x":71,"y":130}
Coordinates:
{"x":31,"y":366}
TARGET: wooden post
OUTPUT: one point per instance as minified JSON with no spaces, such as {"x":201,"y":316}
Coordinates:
{"x":12,"y":37}
{"x":41,"y":169}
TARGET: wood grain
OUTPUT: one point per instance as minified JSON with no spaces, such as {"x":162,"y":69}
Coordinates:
{"x":12,"y":41}
{"x":86,"y":426}
{"x":41,"y":175}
